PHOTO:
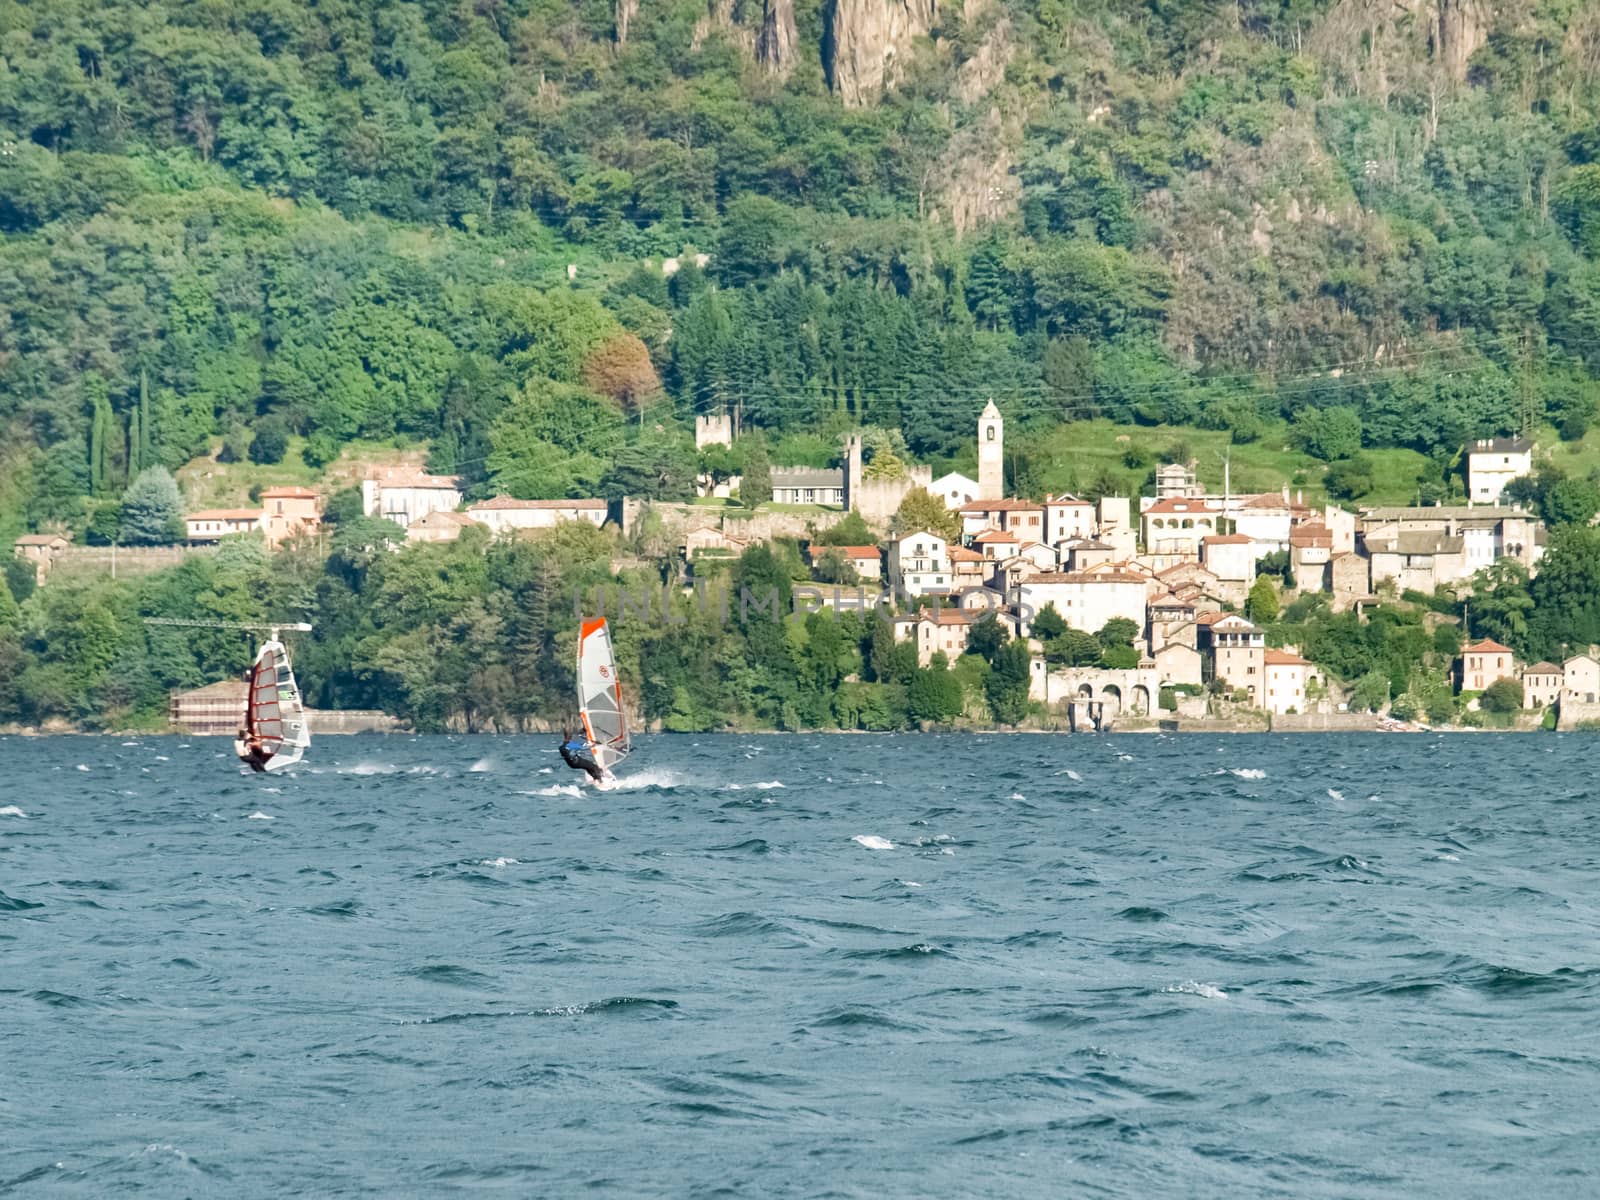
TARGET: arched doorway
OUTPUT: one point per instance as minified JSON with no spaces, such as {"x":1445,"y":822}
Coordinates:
{"x":1141,"y":700}
{"x":1111,"y":697}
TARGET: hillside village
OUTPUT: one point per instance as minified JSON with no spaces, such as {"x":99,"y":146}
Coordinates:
{"x":1171,"y":579}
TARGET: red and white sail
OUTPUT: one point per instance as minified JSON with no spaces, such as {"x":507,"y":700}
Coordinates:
{"x":273,"y":712}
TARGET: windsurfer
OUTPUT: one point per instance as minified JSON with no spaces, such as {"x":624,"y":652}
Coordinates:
{"x":578,"y":754}
{"x":253,"y":752}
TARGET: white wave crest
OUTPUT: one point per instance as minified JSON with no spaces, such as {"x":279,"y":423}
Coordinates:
{"x":1335,"y":794}
{"x":872,"y":841}
{"x":555,"y":789}
{"x":258,"y":815}
{"x":755,"y":787}
{"x":499,"y":862}
{"x":1072,"y":775}
{"x":1207,"y":991}
{"x":81,"y":767}
{"x":11,"y":810}
{"x":908,"y":883}
{"x":368,"y":769}
{"x":481,"y":766}
{"x":1244,"y":773}
{"x":655,"y":777}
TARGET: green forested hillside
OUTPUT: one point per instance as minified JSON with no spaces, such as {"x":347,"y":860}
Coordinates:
{"x":354,"y":220}
{"x":1341,"y":237}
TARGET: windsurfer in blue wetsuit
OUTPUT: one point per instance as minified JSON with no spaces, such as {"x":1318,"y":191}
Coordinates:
{"x":578,"y":754}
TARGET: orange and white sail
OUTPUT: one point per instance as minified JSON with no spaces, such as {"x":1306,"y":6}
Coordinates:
{"x":600,"y":695}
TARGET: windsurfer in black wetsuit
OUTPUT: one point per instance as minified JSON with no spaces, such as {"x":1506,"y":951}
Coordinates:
{"x":578,"y":754}
{"x":255,"y":755}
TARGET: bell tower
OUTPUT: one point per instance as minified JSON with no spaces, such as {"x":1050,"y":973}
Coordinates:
{"x":991,"y":454}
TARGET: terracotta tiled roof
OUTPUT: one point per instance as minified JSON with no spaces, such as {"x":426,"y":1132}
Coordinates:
{"x":1282,"y":658}
{"x":1543,"y":668}
{"x":1312,"y":533}
{"x":39,"y":539}
{"x":962,"y":554}
{"x":995,"y":535}
{"x":1226,"y":539}
{"x":856,"y":552}
{"x":226,"y":514}
{"x":289,"y":493}
{"x":1488,"y":646}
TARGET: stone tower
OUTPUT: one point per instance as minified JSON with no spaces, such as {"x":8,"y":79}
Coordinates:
{"x":991,"y":454}
{"x":852,"y":472}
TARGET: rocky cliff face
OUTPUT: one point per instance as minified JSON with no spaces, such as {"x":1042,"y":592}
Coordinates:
{"x":867,"y":40}
{"x":775,"y":44}
{"x":1460,"y":27}
{"x":623,"y":13}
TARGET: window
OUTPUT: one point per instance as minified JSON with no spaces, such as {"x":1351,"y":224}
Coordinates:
{"x":989,"y":436}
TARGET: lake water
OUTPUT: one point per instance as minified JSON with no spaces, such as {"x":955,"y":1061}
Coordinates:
{"x":1330,"y":966}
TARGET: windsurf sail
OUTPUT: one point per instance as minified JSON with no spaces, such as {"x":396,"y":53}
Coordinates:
{"x":273,"y":711}
{"x":600,"y":695}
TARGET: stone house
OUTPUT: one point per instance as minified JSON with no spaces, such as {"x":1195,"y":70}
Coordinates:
{"x":1311,"y":556}
{"x":40,"y":549}
{"x":1580,"y":680}
{"x":287,"y":511}
{"x":1173,"y":529}
{"x":1288,"y":676}
{"x":406,"y":494}
{"x":1494,"y":462}
{"x":808,"y":485}
{"x":505,"y":513}
{"x":1085,"y":600}
{"x":1238,"y":655}
{"x":1067,"y":518}
{"x":918,"y":564}
{"x":1023,"y":518}
{"x":944,"y":629}
{"x":1541,"y":685}
{"x":440,"y":527}
{"x":1483,"y":663}
{"x":210,"y":524}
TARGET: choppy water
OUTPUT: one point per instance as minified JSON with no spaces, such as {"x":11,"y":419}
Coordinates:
{"x":1327,"y":966}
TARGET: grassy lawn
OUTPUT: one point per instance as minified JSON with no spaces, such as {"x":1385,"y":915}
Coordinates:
{"x":1074,"y":455}
{"x":207,"y":483}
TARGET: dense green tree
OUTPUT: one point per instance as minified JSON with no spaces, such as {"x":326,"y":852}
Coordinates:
{"x":934,"y":695}
{"x":921,"y":511}
{"x":1007,"y":684}
{"x":270,"y":442}
{"x":152,"y":509}
{"x":1501,"y":696}
{"x":1262,"y":603}
{"x":755,"y":486}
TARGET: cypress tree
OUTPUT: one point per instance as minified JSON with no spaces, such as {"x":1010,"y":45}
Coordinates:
{"x":144,"y":457}
{"x":135,"y":433}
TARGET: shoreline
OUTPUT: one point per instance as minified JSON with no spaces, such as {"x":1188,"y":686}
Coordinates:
{"x":1142,"y":730}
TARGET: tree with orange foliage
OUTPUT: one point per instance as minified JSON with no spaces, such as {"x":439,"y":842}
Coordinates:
{"x":620,"y":367}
